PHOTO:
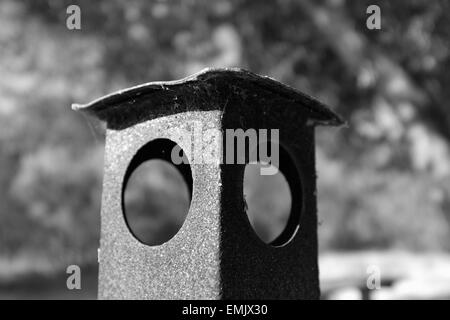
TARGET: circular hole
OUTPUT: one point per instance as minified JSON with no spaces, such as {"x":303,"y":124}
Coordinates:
{"x":157,"y":194}
{"x":269,"y":204}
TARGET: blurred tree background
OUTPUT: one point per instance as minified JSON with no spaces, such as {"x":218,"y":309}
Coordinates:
{"x":383,"y":181}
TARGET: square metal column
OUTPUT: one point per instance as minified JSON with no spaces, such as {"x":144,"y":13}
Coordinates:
{"x":215,"y":254}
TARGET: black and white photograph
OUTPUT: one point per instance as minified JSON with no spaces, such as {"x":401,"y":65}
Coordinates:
{"x":224,"y":154}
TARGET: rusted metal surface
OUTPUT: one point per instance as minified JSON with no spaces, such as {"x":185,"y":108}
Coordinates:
{"x":216,"y":254}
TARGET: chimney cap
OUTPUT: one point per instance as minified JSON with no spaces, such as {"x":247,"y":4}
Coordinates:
{"x":129,"y":106}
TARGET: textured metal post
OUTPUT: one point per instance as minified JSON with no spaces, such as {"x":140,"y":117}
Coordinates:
{"x":215,"y":254}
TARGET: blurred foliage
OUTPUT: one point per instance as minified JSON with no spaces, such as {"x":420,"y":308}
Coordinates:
{"x":384,"y":181}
